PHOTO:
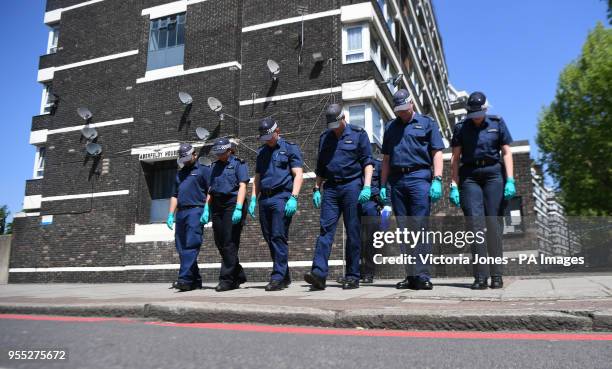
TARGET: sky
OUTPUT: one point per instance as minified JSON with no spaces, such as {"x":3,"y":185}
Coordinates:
{"x":513,"y":51}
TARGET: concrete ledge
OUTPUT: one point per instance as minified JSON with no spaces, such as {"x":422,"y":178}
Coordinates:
{"x":287,"y":315}
{"x":234,"y":313}
{"x":602,"y":321}
{"x":470,"y":321}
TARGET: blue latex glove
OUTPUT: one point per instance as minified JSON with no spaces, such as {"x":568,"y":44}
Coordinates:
{"x":365,"y":194}
{"x":205,"y":215}
{"x":383,"y":193}
{"x":252,"y":205}
{"x":435,"y":191}
{"x":316,"y":199}
{"x":290,"y":207}
{"x":385,"y":217}
{"x":237,"y":215}
{"x":509,"y":189}
{"x":454,"y":196}
{"x":170,"y":221}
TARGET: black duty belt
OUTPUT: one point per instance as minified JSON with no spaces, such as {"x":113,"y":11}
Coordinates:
{"x":341,"y":180}
{"x":406,"y":170}
{"x":482,"y":162}
{"x":270,"y":193}
{"x":185,"y":207}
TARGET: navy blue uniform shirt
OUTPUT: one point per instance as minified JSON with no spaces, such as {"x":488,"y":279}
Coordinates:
{"x":227,"y":176}
{"x":483,"y":142}
{"x":410,"y":144}
{"x":191,"y":185}
{"x":345,"y":157}
{"x":274,"y":165}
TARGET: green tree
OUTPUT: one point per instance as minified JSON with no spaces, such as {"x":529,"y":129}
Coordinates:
{"x":575,"y":131}
{"x":4,"y":213}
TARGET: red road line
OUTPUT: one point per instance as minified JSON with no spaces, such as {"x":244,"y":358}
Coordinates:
{"x":332,"y":331}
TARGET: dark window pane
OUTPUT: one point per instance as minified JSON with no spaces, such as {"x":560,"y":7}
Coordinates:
{"x":180,"y":34}
{"x":171,"y":34}
{"x":163,"y":38}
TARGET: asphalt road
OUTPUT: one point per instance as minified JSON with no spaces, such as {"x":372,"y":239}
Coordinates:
{"x":139,"y":344}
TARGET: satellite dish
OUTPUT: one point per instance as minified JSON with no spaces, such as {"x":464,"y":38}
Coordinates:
{"x":202,"y":133}
{"x":203,"y":160}
{"x":89,"y":133}
{"x":274,"y":68}
{"x":185,"y":98}
{"x":84,"y":113}
{"x":93,"y":149}
{"x":214,"y":104}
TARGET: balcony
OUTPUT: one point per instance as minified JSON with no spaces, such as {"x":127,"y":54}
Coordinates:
{"x":41,"y":122}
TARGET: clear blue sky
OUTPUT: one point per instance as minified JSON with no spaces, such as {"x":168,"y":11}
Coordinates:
{"x":511,"y":50}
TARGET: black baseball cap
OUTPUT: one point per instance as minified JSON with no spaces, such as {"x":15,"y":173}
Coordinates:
{"x":267,"y":126}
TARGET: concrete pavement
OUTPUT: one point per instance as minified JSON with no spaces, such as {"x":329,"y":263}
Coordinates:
{"x":542,"y":303}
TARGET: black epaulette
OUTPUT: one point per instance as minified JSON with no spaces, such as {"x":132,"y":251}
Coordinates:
{"x":356,"y":128}
{"x":495,"y":117}
{"x":290,"y":143}
{"x":241,"y":161}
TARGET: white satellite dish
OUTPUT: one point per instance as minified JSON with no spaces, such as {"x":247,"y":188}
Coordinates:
{"x":202,"y":133}
{"x":89,"y":133}
{"x":93,"y":149}
{"x":274,"y":68}
{"x":84,"y":113}
{"x":185,"y":98}
{"x":214,"y":104}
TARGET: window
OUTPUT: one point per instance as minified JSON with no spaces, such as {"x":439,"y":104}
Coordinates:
{"x":161,"y":177}
{"x":354,"y":40}
{"x":166,"y":42}
{"x":357,"y":115}
{"x":53,"y":37}
{"x":377,"y":125}
{"x":39,"y":162}
{"x":368,"y":116}
{"x":375,"y":50}
{"x":48,"y":100}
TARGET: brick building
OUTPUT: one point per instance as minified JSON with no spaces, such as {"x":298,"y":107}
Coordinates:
{"x":100,"y":218}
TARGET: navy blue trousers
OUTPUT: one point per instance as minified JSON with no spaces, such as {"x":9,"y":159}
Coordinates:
{"x":370,"y":222}
{"x":411,"y":206}
{"x":188,"y":239}
{"x":339,"y":199}
{"x":482,"y":195}
{"x":275,"y":229}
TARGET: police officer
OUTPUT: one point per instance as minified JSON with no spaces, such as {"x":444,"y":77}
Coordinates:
{"x":344,"y":158}
{"x":411,"y":147}
{"x":228,"y":183}
{"x":188,"y":201}
{"x":278,"y":179}
{"x":478,"y":184}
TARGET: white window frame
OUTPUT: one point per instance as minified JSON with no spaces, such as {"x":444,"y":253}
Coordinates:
{"x":44,"y":102}
{"x":53,"y":39}
{"x":365,"y":43}
{"x":39,"y":166}
{"x":369,"y":119}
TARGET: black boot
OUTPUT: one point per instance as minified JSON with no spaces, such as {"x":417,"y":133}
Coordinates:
{"x":480,"y":283}
{"x":497,"y":282}
{"x":317,"y":282}
{"x":275,"y":285}
{"x":350,"y":284}
{"x":407,"y":283}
